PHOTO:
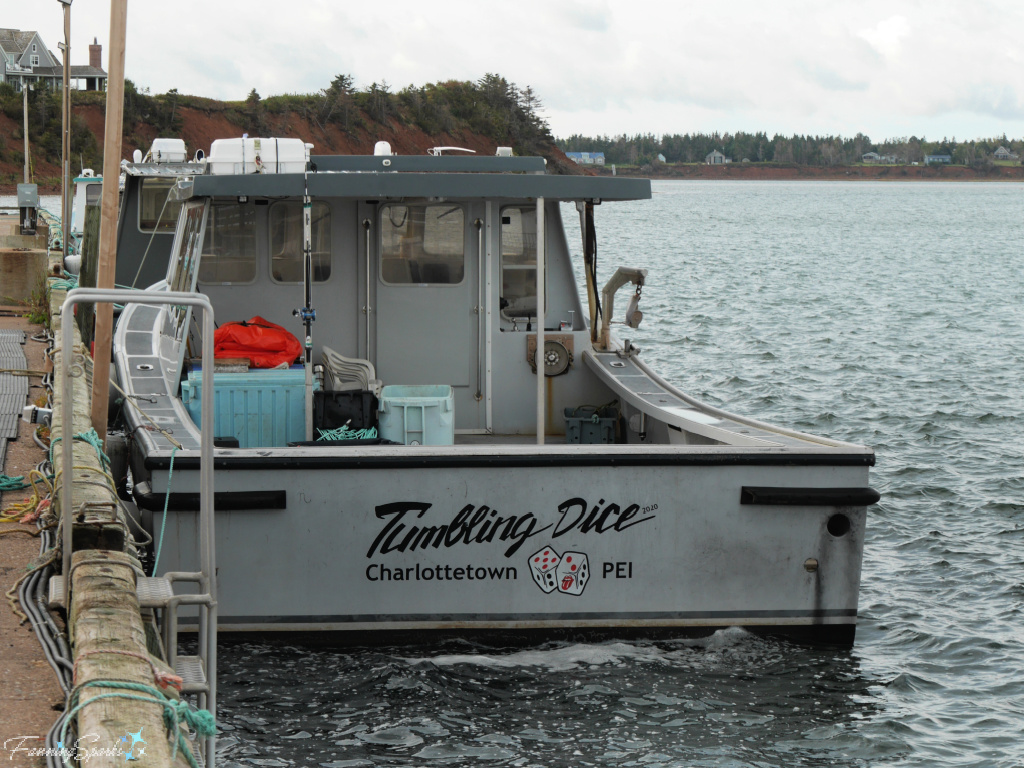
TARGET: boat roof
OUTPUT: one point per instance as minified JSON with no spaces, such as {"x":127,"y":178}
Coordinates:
{"x":394,"y":176}
{"x":162,"y":169}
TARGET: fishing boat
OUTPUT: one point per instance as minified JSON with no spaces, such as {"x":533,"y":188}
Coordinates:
{"x":86,"y":190}
{"x":498,"y":459}
{"x":146,"y":217}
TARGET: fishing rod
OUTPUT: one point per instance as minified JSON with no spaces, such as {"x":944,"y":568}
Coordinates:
{"x":307,"y":313}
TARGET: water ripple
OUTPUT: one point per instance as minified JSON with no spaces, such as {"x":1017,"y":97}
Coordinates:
{"x":886,"y":314}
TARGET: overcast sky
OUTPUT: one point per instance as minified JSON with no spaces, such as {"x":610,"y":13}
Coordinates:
{"x":887,"y":68}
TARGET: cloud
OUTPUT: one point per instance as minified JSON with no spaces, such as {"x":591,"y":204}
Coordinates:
{"x":995,"y":100}
{"x":585,"y":16}
{"x":885,"y":67}
{"x":830,"y":79}
{"x":886,"y":37}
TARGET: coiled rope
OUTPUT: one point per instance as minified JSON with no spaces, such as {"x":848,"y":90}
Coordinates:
{"x":345,"y":433}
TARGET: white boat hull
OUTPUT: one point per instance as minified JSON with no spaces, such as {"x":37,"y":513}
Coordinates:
{"x":668,"y":544}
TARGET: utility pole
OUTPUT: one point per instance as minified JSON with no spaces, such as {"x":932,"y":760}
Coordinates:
{"x":24,"y":90}
{"x":108,"y":217}
{"x":65,"y":145}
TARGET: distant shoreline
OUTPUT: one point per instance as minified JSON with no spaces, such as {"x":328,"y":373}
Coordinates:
{"x":754,"y":172}
{"x":792,"y":172}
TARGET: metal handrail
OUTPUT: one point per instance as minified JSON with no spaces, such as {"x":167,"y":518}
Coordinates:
{"x":206,"y":512}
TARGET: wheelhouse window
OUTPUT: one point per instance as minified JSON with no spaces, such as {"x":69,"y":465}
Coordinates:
{"x":93,"y":193}
{"x":183,"y":260}
{"x":423,"y":244}
{"x":519,"y":262}
{"x":157,"y":213}
{"x":286,"y":241}
{"x":229,"y":247}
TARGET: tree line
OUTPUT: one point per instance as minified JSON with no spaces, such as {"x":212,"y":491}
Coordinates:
{"x":492,"y":106}
{"x":45,"y":126}
{"x":643,"y":149}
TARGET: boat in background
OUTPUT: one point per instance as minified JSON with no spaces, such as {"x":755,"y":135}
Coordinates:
{"x":146,"y":218}
{"x":599,"y":501}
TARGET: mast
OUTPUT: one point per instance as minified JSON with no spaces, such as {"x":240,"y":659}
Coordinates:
{"x":539,"y":353}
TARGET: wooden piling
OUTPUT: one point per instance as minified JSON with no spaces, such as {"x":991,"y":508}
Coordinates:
{"x":86,"y":314}
{"x":109,"y":642}
{"x":99,"y":522}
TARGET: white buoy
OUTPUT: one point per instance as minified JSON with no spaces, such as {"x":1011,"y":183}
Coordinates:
{"x":73,"y":263}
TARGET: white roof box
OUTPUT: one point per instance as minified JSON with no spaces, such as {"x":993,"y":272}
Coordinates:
{"x":245,"y":155}
{"x":167,"y":151}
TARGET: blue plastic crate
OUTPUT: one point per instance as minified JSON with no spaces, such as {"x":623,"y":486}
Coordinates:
{"x":260,"y":408}
{"x":422,"y":414}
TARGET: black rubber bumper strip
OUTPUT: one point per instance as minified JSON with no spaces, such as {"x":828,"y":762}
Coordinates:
{"x":810,"y":497}
{"x":222,"y":500}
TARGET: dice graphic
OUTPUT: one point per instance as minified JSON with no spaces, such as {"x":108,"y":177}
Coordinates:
{"x":542,"y":565}
{"x":572,"y":573}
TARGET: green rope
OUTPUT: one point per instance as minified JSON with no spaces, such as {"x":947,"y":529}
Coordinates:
{"x":13,"y":483}
{"x":167,"y":499}
{"x":199,"y":721}
{"x":66,"y":283}
{"x":90,"y":437}
{"x":345,"y":433}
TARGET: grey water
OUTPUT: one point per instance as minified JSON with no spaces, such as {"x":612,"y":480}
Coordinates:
{"x":888,"y":314}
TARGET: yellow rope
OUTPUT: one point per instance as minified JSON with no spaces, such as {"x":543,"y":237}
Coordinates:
{"x":18,"y":510}
{"x":9,"y":531}
{"x":156,"y":427}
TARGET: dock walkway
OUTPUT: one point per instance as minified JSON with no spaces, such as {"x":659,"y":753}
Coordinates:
{"x":29,"y":692}
{"x":118,"y":667}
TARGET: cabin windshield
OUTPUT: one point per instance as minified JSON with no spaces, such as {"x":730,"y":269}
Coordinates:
{"x":229,"y":248}
{"x":157,"y":213}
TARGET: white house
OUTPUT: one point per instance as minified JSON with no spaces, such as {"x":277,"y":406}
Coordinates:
{"x":586,"y":158}
{"x":25,"y":60}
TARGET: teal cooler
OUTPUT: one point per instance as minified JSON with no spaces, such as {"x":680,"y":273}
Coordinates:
{"x":260,"y":408}
{"x":421,"y":414}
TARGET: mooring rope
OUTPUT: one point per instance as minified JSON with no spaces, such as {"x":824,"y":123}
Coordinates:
{"x":199,"y":721}
{"x":163,"y":523}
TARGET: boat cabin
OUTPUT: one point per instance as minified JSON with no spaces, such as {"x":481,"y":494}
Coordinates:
{"x":425,"y":267}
